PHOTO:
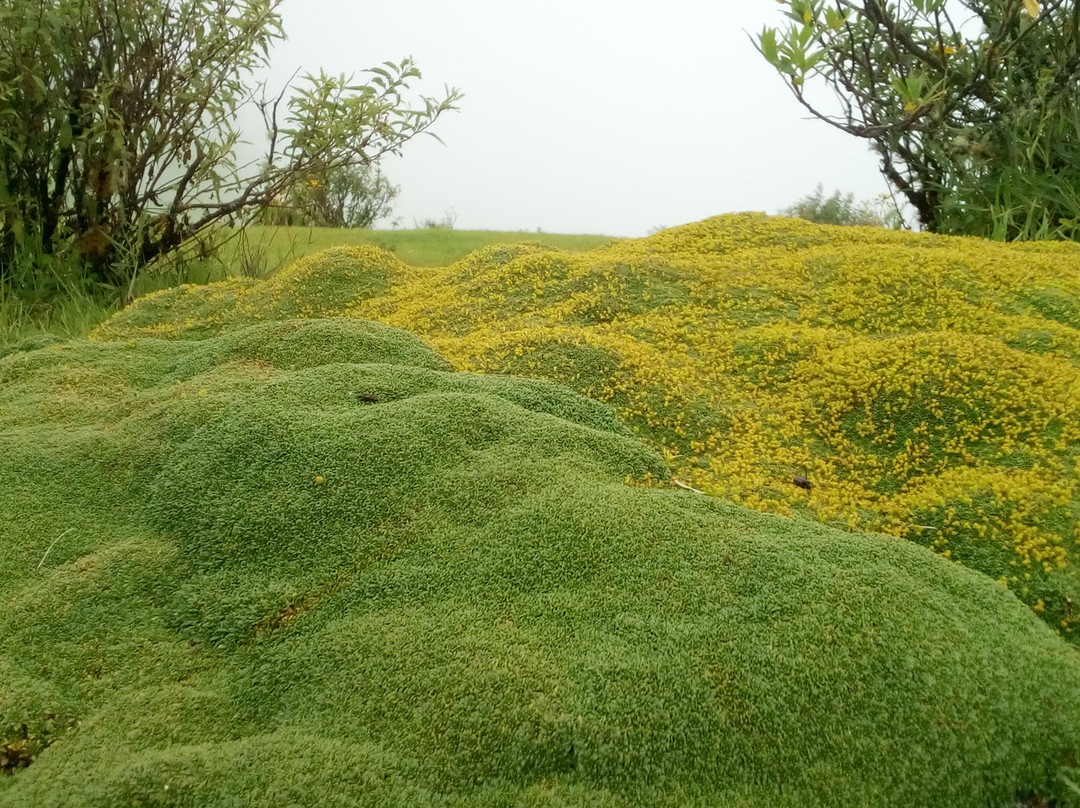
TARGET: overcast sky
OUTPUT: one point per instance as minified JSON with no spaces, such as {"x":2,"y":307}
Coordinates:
{"x":586,"y":116}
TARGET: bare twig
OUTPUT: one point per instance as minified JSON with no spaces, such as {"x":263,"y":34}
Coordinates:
{"x":686,"y":487}
{"x":53,"y":545}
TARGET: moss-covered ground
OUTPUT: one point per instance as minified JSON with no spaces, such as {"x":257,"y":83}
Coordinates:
{"x":927,"y":387}
{"x":283,"y":557}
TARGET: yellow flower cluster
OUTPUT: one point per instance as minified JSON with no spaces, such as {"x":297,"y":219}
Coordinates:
{"x":925,"y":386}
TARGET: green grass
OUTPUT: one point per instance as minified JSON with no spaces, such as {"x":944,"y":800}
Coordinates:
{"x":429,"y":247}
{"x":66,"y":316}
{"x":303,"y":563}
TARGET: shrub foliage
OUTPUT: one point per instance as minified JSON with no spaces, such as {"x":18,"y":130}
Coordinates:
{"x":118,"y":127}
{"x":971,"y":107}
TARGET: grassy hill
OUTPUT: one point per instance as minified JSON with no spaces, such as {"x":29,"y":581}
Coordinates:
{"x":927,"y":387}
{"x":304,"y":563}
{"x":257,"y":252}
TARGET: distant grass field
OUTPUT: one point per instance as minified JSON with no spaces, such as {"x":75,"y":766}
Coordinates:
{"x":302,"y":563}
{"x":428,"y":247}
{"x":927,"y":387}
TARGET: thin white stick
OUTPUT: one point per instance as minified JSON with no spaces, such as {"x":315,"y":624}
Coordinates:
{"x":688,"y":488}
{"x":53,"y":545}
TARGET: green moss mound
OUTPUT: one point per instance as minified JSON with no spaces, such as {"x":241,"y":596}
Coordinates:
{"x":303,"y":563}
{"x":319,"y":285}
{"x":927,"y":386}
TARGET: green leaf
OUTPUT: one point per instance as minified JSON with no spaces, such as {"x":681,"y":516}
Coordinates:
{"x":835,"y":19}
{"x":767,"y":42}
{"x":65,"y":134}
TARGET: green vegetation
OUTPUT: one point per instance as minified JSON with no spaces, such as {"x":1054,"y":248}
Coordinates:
{"x":302,"y":562}
{"x":118,"y":135}
{"x":840,"y":209}
{"x":350,"y":196}
{"x":64,"y":316}
{"x":255,"y":252}
{"x":927,"y":386}
{"x":971,"y":107}
{"x":424,"y":247}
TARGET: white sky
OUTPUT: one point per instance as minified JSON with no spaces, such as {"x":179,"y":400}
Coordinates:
{"x":586,"y":116}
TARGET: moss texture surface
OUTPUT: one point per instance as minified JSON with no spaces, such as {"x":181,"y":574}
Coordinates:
{"x":927,"y":386}
{"x":304,"y":563}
